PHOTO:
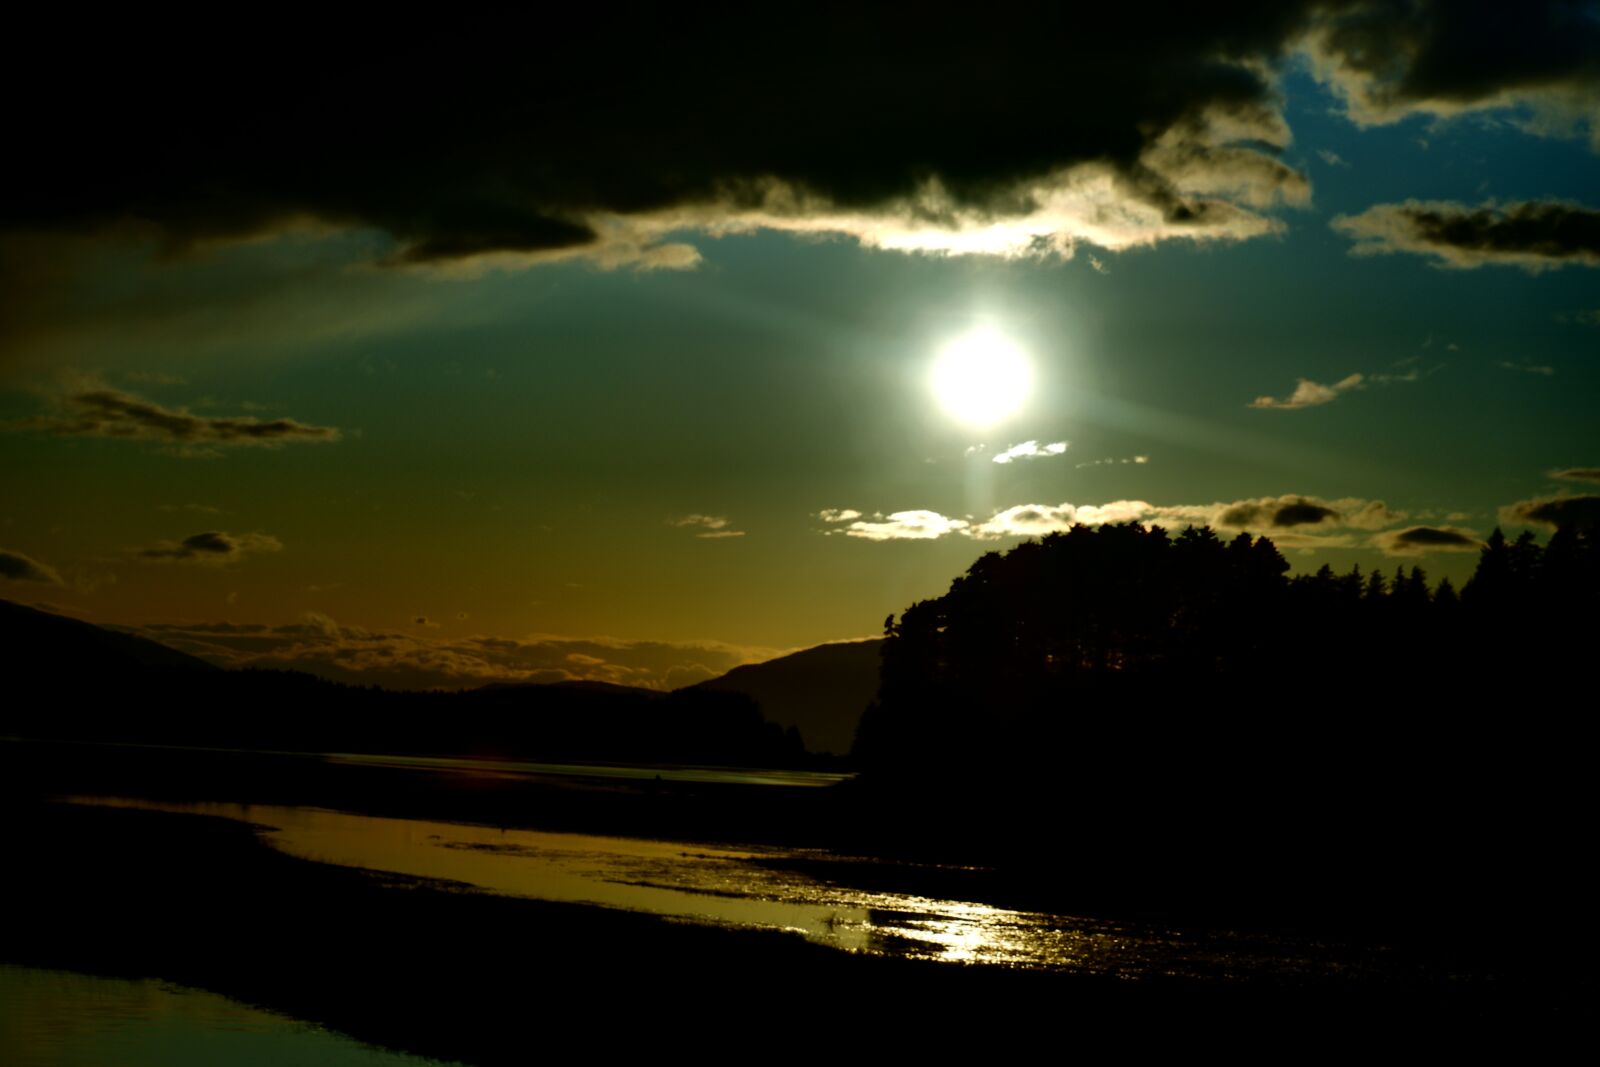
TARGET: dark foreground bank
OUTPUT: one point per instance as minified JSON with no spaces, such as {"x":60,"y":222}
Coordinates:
{"x":428,"y":968}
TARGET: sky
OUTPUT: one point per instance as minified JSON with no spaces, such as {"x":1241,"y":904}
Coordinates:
{"x":640,"y":349}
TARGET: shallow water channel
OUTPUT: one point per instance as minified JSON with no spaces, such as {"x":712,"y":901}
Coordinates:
{"x":751,"y":887}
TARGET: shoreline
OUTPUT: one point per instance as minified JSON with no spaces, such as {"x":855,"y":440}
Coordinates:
{"x":425,"y":967}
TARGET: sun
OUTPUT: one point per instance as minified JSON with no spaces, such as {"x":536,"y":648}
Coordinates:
{"x":981,"y":378}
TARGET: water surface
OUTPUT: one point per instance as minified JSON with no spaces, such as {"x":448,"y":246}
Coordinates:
{"x":503,"y":768}
{"x":751,"y":887}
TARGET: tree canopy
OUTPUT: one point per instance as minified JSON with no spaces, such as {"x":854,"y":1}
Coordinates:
{"x":1086,"y":631}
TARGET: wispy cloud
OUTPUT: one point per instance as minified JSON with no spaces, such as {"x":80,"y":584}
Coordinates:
{"x":1310,"y":394}
{"x":1533,"y":235}
{"x":1111,"y":461}
{"x":1528,"y":368}
{"x":154,"y":377}
{"x":212,"y":548}
{"x":1405,"y":370}
{"x":1577,"y":474}
{"x":711,"y":527}
{"x":1031,"y":450}
{"x":20,"y":568}
{"x":107,"y":412}
{"x":1332,"y":159}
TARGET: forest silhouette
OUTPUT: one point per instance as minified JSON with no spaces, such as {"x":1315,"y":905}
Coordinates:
{"x":1120,"y":624}
{"x":1177,"y":720}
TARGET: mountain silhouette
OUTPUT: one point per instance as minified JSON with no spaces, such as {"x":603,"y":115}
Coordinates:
{"x":820,"y":691}
{"x":72,"y":680}
{"x":42,"y":645}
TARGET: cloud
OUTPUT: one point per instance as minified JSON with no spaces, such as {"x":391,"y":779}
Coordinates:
{"x":1309,"y":394}
{"x":1412,"y":373}
{"x":106,"y":412}
{"x":1417,"y":540}
{"x":1112,"y":461}
{"x":1528,"y":368}
{"x":838,"y":514}
{"x":907,"y":526}
{"x":1027,"y":520}
{"x":213,"y":548}
{"x":713,"y":527}
{"x":1030,"y":450}
{"x":941,"y":135}
{"x":1533,"y":235}
{"x":1390,"y":61}
{"x":1559,"y":510}
{"x":1292,"y":520}
{"x":1273,"y":514}
{"x":1578,"y":474}
{"x":710,"y":522}
{"x":1036,"y":520}
{"x":1278,"y":514}
{"x":20,"y":568}
{"x":1332,"y":159}
{"x":320,"y":645}
{"x":1010,"y":134}
{"x":153,"y":377}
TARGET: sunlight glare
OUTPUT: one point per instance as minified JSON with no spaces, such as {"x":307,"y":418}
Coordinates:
{"x":981,"y":378}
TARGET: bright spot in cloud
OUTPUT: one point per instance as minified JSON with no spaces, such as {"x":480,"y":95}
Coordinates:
{"x":982,"y":378}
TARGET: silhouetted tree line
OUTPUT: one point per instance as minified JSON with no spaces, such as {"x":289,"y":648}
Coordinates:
{"x":1176,"y":718}
{"x":1100,"y":625}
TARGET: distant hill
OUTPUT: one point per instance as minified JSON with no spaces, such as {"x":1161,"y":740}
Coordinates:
{"x":69,"y":679}
{"x":821,"y":691}
{"x":39,"y":645}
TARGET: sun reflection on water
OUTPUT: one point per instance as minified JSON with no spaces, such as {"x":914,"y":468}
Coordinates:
{"x":752,"y":887}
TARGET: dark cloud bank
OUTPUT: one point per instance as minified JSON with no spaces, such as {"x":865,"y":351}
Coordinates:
{"x":602,"y":133}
